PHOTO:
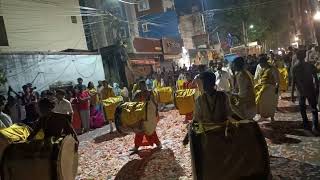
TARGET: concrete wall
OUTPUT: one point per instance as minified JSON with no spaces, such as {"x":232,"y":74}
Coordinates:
{"x":190,"y":25}
{"x":37,"y":25}
{"x":132,"y":18}
{"x":45,"y":70}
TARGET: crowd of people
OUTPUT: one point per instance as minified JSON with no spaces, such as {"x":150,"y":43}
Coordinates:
{"x":82,"y":103}
{"x":253,"y":85}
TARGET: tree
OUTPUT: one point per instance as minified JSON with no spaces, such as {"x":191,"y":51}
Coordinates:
{"x":268,"y":17}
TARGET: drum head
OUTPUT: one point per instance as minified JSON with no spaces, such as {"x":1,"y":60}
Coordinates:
{"x":67,"y":159}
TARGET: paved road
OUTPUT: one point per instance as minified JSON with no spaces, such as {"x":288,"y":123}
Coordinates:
{"x":295,"y":154}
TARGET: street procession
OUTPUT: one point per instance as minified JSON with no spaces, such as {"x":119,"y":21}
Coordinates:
{"x":159,"y":90}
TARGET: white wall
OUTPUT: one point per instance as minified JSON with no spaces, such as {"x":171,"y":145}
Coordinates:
{"x":42,"y":25}
{"x":132,"y":18}
{"x":185,"y":27}
{"x":21,"y":69}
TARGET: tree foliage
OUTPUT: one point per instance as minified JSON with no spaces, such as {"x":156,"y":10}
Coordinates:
{"x":268,"y":17}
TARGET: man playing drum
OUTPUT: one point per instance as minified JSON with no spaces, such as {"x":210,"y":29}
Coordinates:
{"x":143,"y":96}
{"x":52,"y":124}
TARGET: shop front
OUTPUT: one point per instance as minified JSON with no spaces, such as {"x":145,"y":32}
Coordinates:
{"x":172,"y":53}
{"x":145,"y":58}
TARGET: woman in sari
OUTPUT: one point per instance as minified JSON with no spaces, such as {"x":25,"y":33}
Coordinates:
{"x":96,"y":111}
{"x":266,"y":89}
{"x":282,"y":74}
{"x":76,"y":120}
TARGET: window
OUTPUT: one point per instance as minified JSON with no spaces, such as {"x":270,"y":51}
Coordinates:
{"x":3,"y":33}
{"x":74,"y":19}
{"x":145,"y":27}
{"x":143,"y":5}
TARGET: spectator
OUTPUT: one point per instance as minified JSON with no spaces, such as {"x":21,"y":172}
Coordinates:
{"x":116,"y":89}
{"x":63,"y":106}
{"x":29,"y":100}
{"x":223,"y":79}
{"x":84,"y":107}
{"x":305,"y":78}
{"x":5,"y":120}
{"x":100,"y":87}
{"x":107,"y":91}
{"x":51,"y":123}
{"x":80,"y":84}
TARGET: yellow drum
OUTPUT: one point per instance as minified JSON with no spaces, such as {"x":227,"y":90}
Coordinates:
{"x":134,"y":117}
{"x":180,"y":84}
{"x":15,"y":133}
{"x":110,"y":106}
{"x":164,"y":95}
{"x":184,"y":100}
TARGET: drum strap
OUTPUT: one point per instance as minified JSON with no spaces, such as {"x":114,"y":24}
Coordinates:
{"x":200,"y":128}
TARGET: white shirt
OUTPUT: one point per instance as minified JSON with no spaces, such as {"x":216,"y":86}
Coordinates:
{"x":258,"y":71}
{"x":223,"y":79}
{"x":63,"y":107}
{"x":311,"y":55}
{"x":125,"y":92}
{"x":5,"y":120}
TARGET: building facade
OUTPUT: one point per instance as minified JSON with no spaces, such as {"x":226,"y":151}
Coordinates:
{"x":301,"y":21}
{"x":51,"y":25}
{"x":106,"y":22}
{"x":157,"y":19}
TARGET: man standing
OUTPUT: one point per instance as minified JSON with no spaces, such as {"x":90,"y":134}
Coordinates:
{"x":243,"y":96}
{"x":304,"y":76}
{"x":62,"y":106}
{"x":5,"y":120}
{"x":80,"y":84}
{"x":311,"y":54}
{"x":223,"y":79}
{"x":29,"y":100}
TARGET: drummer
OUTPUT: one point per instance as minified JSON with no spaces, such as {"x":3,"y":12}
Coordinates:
{"x":145,"y":95}
{"x":52,"y":124}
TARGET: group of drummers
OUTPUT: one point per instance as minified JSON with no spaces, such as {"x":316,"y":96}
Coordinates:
{"x":215,"y":115}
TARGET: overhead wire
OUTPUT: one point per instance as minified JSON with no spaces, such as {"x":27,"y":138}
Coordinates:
{"x":58,"y":77}
{"x":105,"y":12}
{"x":94,"y":70}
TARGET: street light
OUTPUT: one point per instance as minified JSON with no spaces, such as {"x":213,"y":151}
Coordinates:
{"x":251,"y":26}
{"x":317,"y":16}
